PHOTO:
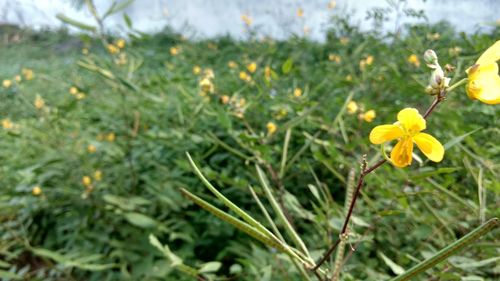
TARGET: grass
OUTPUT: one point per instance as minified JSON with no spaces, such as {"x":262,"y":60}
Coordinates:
{"x":153,"y":108}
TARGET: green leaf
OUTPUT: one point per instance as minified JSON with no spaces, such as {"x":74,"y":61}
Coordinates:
{"x":397,"y":269}
{"x":287,"y":66}
{"x":458,"y":139}
{"x":9,"y":275}
{"x":212,"y":266}
{"x":140,"y":220}
{"x":75,"y":23}
{"x":127,"y":20}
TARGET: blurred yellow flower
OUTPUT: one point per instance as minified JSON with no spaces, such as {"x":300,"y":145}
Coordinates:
{"x":174,"y":51}
{"x":85,"y":51}
{"x":245,"y":76}
{"x":39,"y":102}
{"x":297,"y":92}
{"x":231,"y":64}
{"x":434,"y":36}
{"x":98,"y":175}
{"x":111,"y":137}
{"x":86,"y":181}
{"x":37,"y":190}
{"x":348,"y":78}
{"x":267,"y":73}
{"x":352,"y":107}
{"x":122,"y":59}
{"x":484,"y":81}
{"x":332,"y":4}
{"x":224,"y":99}
{"x":208,"y":73}
{"x":27,"y":73}
{"x":246,"y":19}
{"x":206,"y":85}
{"x":112,"y":49}
{"x":196,"y":70}
{"x":18,"y":78}
{"x":7,"y":124}
{"x":413,"y":59}
{"x":333,"y":57}
{"x":91,"y":148}
{"x":252,"y":67}
{"x":455,"y":51}
{"x":120,"y":43}
{"x":344,"y":40}
{"x":73,"y":90}
{"x":6,"y":83}
{"x":300,"y":12}
{"x":80,"y":96}
{"x":369,"y":60}
{"x":369,"y":115}
{"x":408,"y":131}
{"x":271,"y":128}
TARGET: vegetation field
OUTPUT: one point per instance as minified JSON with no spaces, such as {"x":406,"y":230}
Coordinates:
{"x":96,"y":182}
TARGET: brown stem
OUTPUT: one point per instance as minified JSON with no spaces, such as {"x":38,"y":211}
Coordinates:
{"x":365,"y":171}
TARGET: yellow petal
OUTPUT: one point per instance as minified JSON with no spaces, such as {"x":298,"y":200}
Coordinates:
{"x":411,"y":120}
{"x":430,"y":146}
{"x":492,"y":54}
{"x":401,"y":153}
{"x":484,"y":83}
{"x":383,"y":133}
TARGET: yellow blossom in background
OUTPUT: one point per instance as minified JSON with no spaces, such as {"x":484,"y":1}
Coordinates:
{"x":297,"y":92}
{"x":27,"y":73}
{"x":174,"y":51}
{"x":209,"y":73}
{"x":36,"y":190}
{"x":245,"y":76}
{"x":39,"y":102}
{"x":369,"y":60}
{"x":252,"y":67}
{"x":122,"y":59}
{"x":267,"y":73}
{"x":112,"y":49}
{"x":413,"y":59}
{"x":196,"y":70}
{"x":364,"y":62}
{"x":271,"y":128}
{"x":352,"y":107}
{"x":333,"y":57}
{"x":18,"y":78}
{"x":344,"y":40}
{"x":7,"y":124}
{"x":246,"y":19}
{"x":6,"y":83}
{"x":408,"y":131}
{"x":348,"y":78}
{"x":86,"y":181}
{"x":80,"y":96}
{"x":111,"y":137}
{"x":484,"y":81}
{"x":224,"y":99}
{"x":98,"y":175}
{"x":369,"y":115}
{"x":73,"y":90}
{"x":85,"y":51}
{"x":120,"y":43}
{"x":231,"y":64}
{"x":455,"y":51}
{"x":332,"y":4}
{"x":300,"y":12}
{"x":206,"y":85}
{"x":91,"y":148}
{"x":434,"y":36}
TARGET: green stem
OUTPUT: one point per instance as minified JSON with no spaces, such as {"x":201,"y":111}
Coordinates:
{"x":449,"y":250}
{"x":454,"y":86}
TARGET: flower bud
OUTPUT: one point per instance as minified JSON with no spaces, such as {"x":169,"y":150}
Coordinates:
{"x":437,"y":77}
{"x":430,"y":57}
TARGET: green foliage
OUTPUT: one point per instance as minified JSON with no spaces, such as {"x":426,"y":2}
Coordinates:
{"x":143,"y":111}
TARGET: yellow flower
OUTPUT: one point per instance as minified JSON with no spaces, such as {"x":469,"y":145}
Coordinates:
{"x":352,"y":107}
{"x":206,"y":85}
{"x":297,"y":92}
{"x":86,"y":181}
{"x":369,"y":115}
{"x":413,"y":59}
{"x":369,"y":60}
{"x":120,"y":43}
{"x":245,"y":77}
{"x":174,"y":51}
{"x":332,"y":4}
{"x":344,"y":40}
{"x":231,"y":64}
{"x":27,"y":73}
{"x":91,"y":148}
{"x":36,"y":190}
{"x":252,"y":67}
{"x":408,"y":131}
{"x":348,"y":78}
{"x":18,"y":78}
{"x":224,"y":99}
{"x":300,"y":12}
{"x":85,"y":51}
{"x":484,"y":81}
{"x":73,"y":90}
{"x":196,"y":70}
{"x":267,"y":73}
{"x":335,"y":58}
{"x":39,"y":102}
{"x":271,"y":128}
{"x":112,"y":49}
{"x":80,"y":96}
{"x":246,"y":19}
{"x":6,"y":83}
{"x":7,"y":124}
{"x":98,"y":175}
{"x":111,"y":137}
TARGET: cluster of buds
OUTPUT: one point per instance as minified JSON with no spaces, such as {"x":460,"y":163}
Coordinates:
{"x":206,"y":83}
{"x":437,"y":81}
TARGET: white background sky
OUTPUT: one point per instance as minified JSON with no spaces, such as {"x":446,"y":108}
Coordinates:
{"x":215,"y":17}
